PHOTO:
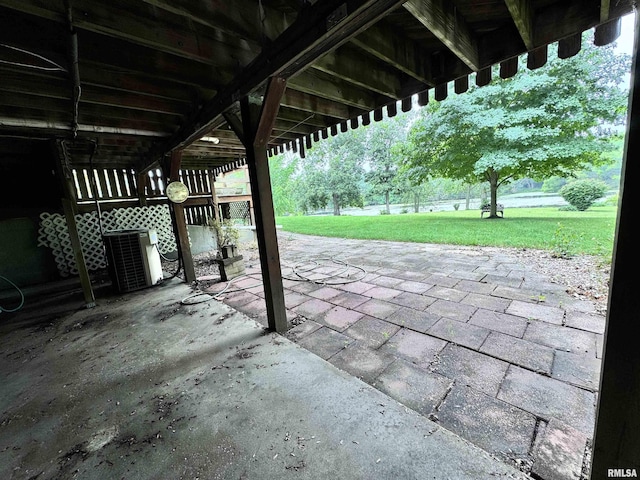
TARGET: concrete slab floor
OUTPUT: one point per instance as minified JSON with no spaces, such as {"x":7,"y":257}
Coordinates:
{"x":149,"y":386}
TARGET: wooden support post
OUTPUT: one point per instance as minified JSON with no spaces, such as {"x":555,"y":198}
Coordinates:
{"x":252,"y":213}
{"x":616,"y":441}
{"x":214,"y":195}
{"x":69,"y":205}
{"x":143,"y":179}
{"x":257,"y":124}
{"x":184,"y":247}
{"x":83,"y":271}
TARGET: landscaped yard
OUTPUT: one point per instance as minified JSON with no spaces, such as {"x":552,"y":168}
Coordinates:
{"x":589,"y":232}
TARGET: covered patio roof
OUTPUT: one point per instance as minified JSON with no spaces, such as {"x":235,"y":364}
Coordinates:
{"x":148,"y":77}
{"x":211,"y":85}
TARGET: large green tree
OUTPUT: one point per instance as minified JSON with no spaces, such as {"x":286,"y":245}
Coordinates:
{"x":381,"y":157}
{"x":282,"y":169}
{"x":551,"y":121}
{"x":332,"y":173}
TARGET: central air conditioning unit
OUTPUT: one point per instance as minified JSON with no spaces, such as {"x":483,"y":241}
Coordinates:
{"x":133,"y":259}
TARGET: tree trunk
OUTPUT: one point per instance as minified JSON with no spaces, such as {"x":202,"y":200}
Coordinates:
{"x":493,"y":188}
{"x":416,"y":202}
{"x":468,"y":199}
{"x":336,"y":205}
{"x":386,"y":202}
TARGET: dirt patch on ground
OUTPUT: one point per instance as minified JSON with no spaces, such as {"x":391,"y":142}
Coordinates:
{"x":585,"y":277}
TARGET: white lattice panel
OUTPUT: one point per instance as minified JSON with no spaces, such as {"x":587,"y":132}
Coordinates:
{"x":53,"y":233}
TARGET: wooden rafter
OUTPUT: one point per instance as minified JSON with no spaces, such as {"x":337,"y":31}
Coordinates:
{"x":387,"y":44}
{"x":604,"y":10}
{"x":361,"y":70}
{"x":443,"y":20}
{"x":312,"y":81}
{"x":523,"y":18}
{"x":297,"y":47}
{"x":155,"y":69}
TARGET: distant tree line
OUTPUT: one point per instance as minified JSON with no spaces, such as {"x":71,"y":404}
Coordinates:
{"x":536,"y":130}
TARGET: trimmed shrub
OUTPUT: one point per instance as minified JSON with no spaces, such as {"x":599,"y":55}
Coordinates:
{"x":583,"y":193}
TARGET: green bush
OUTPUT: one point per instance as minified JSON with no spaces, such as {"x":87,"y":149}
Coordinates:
{"x":582,"y":193}
{"x":456,"y":206}
{"x":553,"y":184}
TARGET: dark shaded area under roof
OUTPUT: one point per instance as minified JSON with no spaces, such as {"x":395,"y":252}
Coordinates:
{"x":144,"y":78}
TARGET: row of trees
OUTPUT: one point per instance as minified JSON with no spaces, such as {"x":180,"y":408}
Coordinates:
{"x":550,"y":123}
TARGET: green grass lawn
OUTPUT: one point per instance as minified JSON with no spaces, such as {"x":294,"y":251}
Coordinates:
{"x":590,"y":232}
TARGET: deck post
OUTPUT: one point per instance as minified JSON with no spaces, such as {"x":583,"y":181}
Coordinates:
{"x":257,"y":123}
{"x":70,"y":207}
{"x":182,"y":233}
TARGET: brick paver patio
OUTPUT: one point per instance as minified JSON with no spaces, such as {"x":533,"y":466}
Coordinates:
{"x":479,"y":343}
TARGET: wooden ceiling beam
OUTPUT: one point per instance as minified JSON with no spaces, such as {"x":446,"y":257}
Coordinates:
{"x":102,"y":53}
{"x":387,"y":44}
{"x":443,"y":20}
{"x":522,"y":14}
{"x":322,"y":85}
{"x":314,"y":104}
{"x":58,"y":88}
{"x":605,"y":7}
{"x":324,"y":26}
{"x":570,"y":17}
{"x":299,"y":116}
{"x":138,"y":23}
{"x":361,"y":70}
{"x":500,"y":44}
{"x":298,"y":129}
{"x":107,"y":114}
{"x":216,"y":152}
{"x":247,"y":19}
{"x":60,"y":120}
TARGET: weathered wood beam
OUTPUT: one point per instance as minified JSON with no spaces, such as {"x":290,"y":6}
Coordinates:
{"x":104,"y":84}
{"x":294,"y":128}
{"x":608,"y":32}
{"x":257,"y":126}
{"x":298,"y":116}
{"x":110,"y":54}
{"x":605,"y":6}
{"x":570,"y":46}
{"x":522,"y":14}
{"x":318,"y":83}
{"x":351,"y":65}
{"x":537,"y":58}
{"x":180,"y":221}
{"x":235,"y":123}
{"x":138,"y":23}
{"x":246,"y":19}
{"x":141,"y":188}
{"x":302,"y":43}
{"x":390,"y":46}
{"x":570,"y":17}
{"x":501,"y":43}
{"x":314,"y":104}
{"x":443,"y":20}
{"x":70,"y":205}
{"x":107,"y":112}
